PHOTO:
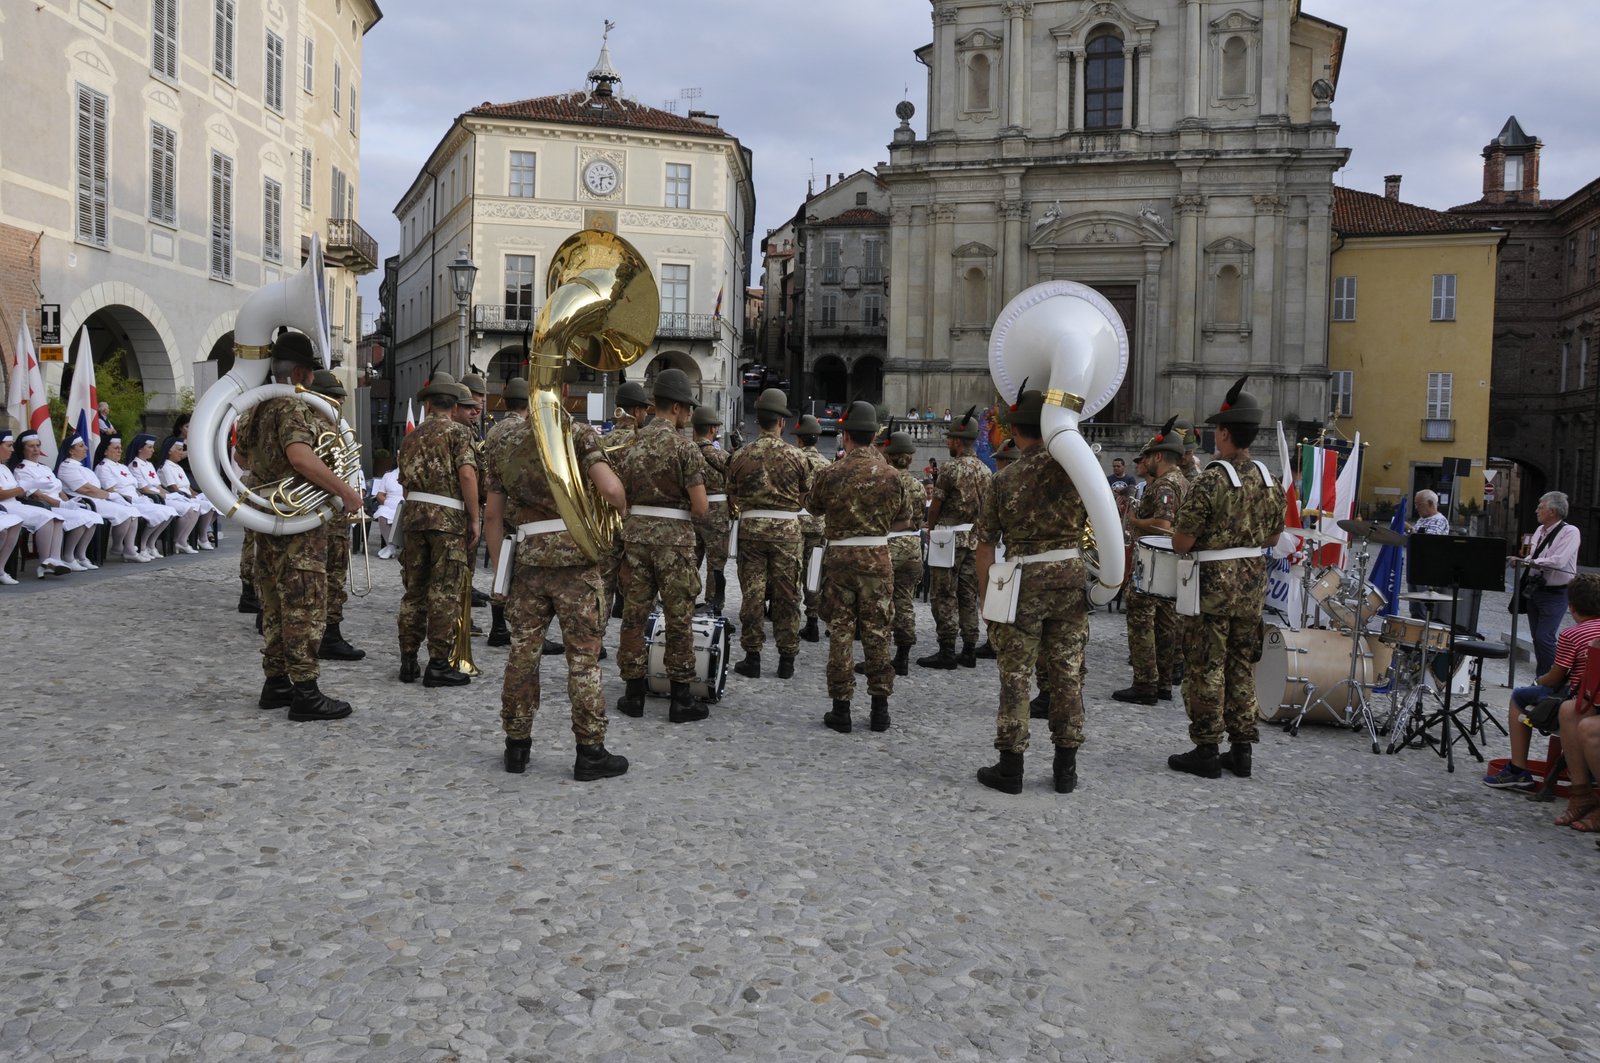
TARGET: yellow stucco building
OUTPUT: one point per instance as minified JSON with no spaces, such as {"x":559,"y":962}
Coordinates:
{"x":1411,"y":334}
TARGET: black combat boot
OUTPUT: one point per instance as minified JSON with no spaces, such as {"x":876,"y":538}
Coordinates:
{"x":410,"y":670}
{"x":276,"y":693}
{"x":1065,"y":769}
{"x":1164,"y":693}
{"x":1039,"y":707}
{"x":1237,"y":759}
{"x":944,"y":658}
{"x":593,"y":762}
{"x":809,"y":632}
{"x":259,"y":616}
{"x":1006,"y":776}
{"x":440,"y":674}
{"x":499,"y":634}
{"x":684,"y":709}
{"x":861,"y":668}
{"x":750,"y":667}
{"x":968,"y":658}
{"x":517,"y":754}
{"x":1135,"y":695}
{"x":986,"y":652}
{"x":335,"y":648}
{"x":312,"y":704}
{"x":838,"y":718}
{"x":902,"y":660}
{"x":479,"y":599}
{"x":785,"y":667}
{"x":248,"y":602}
{"x":880,"y":712}
{"x":632,"y":701}
{"x":1202,"y":760}
{"x":551,"y":648}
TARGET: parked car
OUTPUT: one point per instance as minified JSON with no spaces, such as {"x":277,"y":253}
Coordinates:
{"x":776,"y":379}
{"x":755,"y":377}
{"x":828,"y":415}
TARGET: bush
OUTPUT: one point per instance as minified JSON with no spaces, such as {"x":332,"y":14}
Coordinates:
{"x":126,"y":397}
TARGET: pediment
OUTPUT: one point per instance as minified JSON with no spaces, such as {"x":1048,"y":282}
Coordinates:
{"x":974,"y":249}
{"x":1100,"y":227}
{"x":979,"y":38}
{"x":1236,"y":21}
{"x":1229,"y":245}
{"x":1106,"y":11}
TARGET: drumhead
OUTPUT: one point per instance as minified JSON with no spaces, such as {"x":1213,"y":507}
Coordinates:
{"x":1272,"y":672}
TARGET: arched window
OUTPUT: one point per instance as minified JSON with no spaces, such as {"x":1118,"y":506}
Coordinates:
{"x":1229,"y":310}
{"x":1102,"y":96}
{"x":1235,"y":63}
{"x":975,"y":297}
{"x":978,"y":83}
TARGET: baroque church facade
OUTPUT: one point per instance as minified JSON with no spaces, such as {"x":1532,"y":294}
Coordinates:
{"x":1176,"y":155}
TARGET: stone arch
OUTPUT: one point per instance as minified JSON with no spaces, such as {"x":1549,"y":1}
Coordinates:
{"x":128,"y":314}
{"x":832,"y":379}
{"x":866,"y":379}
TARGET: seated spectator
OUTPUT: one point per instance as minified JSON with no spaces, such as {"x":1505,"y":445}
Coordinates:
{"x":149,"y":501}
{"x":1572,"y":649}
{"x":181,"y":492}
{"x":1580,"y":745}
{"x":40,"y":487}
{"x":15,"y":516}
{"x":930,"y":471}
{"x":143,"y":468}
{"x":81,"y":483}
{"x":387,"y":490}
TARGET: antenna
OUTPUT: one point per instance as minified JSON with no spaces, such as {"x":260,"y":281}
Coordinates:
{"x":691,"y":95}
{"x":670,"y":106}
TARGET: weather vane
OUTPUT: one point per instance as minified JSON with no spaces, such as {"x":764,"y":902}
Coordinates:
{"x":607,"y":34}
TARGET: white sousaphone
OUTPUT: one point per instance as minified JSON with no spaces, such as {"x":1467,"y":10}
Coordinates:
{"x":1066,"y":340}
{"x":291,"y":506}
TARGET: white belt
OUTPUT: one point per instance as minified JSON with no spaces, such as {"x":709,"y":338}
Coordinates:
{"x":804,"y":513}
{"x":772,"y":514}
{"x":1069,"y":554}
{"x":905,"y":534}
{"x":716,"y":498}
{"x":539,"y":527}
{"x":861,"y":540}
{"x":955,"y":527}
{"x":436,"y":500}
{"x":658,"y":511}
{"x":1233,"y":553}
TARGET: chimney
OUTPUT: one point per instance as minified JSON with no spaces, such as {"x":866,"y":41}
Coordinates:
{"x":1391,"y":186}
{"x":827,"y":181}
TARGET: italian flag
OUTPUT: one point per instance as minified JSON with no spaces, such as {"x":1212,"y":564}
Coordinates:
{"x":1319,"y":478}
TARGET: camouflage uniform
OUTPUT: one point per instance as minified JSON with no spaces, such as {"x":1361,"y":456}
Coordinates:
{"x":961,"y":489}
{"x":658,"y":470}
{"x":624,"y":433}
{"x":1153,"y":643}
{"x":711,"y":531}
{"x":811,"y":524}
{"x":551,"y":578}
{"x":860,"y":495}
{"x":905,"y":555}
{"x":247,"y":550}
{"x":769,"y":474}
{"x":433,"y":556}
{"x":1222,"y":645}
{"x":1034,"y":507}
{"x":338,"y":569}
{"x":290,"y":570}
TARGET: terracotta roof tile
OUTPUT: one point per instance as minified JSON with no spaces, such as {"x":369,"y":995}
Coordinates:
{"x":857,"y":216}
{"x":579,"y":108}
{"x":1365,"y":214}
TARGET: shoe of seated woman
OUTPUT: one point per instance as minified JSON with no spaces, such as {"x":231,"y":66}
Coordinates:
{"x":205,"y":544}
{"x":185,"y":548}
{"x":7,"y":580}
{"x":88,"y":566}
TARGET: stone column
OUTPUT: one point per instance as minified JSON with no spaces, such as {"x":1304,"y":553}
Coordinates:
{"x":1064,"y":74}
{"x":1191,"y":66}
{"x":1016,"y":13}
{"x":946,"y":75}
{"x":1144,"y":88}
{"x":1012,"y":211}
{"x":1319,"y":231}
{"x":899,"y":287}
{"x":1130,"y":86}
{"x":1266,"y":285}
{"x":939,"y":282}
{"x":1078,"y":73}
{"x":1186,"y":300}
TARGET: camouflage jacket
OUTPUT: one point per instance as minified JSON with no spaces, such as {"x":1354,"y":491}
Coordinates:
{"x":962,"y":489}
{"x":769,"y":474}
{"x":624,"y":433}
{"x":909,"y":546}
{"x":859,"y":495}
{"x":811,"y":524}
{"x":512,"y":468}
{"x":430,"y":459}
{"x":658,"y":470}
{"x":1033,"y":507}
{"x":266,"y":433}
{"x":1221,"y":516}
{"x":1162,"y":497}
{"x":716,"y":460}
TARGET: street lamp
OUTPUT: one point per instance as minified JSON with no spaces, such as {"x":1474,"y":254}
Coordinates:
{"x":462,"y":275}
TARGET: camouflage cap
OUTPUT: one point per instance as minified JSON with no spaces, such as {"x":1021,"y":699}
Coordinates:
{"x":632,"y":395}
{"x":326,"y":382}
{"x":863,"y":417}
{"x":1027,"y":410}
{"x":901,"y":443}
{"x":965,"y":426}
{"x":516,"y":388}
{"x":807,"y":425}
{"x":705,"y":417}
{"x":475,"y":384}
{"x":440,"y":386}
{"x":773,"y":401}
{"x":672,"y":385}
{"x":1238,"y":407}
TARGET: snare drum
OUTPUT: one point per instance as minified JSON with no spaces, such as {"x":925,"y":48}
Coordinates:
{"x":1337,"y":594}
{"x":1155,"y":567}
{"x":1415,"y":634}
{"x":1300,"y":665}
{"x":710,"y":656}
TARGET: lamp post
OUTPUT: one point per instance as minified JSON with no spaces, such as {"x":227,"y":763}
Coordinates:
{"x":462,"y":275}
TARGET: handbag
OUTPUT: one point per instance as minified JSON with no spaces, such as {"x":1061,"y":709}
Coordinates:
{"x":1544,"y":715}
{"x":1000,"y":599}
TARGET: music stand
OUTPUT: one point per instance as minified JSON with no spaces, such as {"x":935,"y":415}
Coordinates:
{"x":1462,"y":562}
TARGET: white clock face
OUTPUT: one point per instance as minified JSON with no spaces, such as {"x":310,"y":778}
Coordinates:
{"x":600,"y":177}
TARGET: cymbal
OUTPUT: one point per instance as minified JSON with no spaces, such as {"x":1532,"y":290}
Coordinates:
{"x":1381,"y":534}
{"x":1425,"y":596}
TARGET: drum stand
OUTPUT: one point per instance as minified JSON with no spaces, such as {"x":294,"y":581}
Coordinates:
{"x":1359,"y":710}
{"x":1445,"y":715}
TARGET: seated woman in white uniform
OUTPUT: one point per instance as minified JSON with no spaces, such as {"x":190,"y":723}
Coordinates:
{"x":181,"y":493}
{"x":149,"y":503}
{"x":82,"y":483}
{"x":143,"y":468}
{"x":16,"y":517}
{"x":387,"y":490}
{"x":40,"y":486}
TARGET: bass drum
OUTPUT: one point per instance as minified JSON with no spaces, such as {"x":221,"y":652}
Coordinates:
{"x":710,"y":656}
{"x":1297,"y":666}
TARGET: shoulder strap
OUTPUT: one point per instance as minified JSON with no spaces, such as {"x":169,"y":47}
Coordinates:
{"x":1233,"y":474}
{"x":1261,"y":467}
{"x":1547,"y":539}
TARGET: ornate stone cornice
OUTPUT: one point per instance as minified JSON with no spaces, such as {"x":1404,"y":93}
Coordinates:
{"x":1269,"y":203}
{"x":944,"y":15}
{"x":1012,"y":209}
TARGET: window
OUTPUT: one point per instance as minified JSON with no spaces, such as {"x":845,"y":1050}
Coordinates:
{"x":974,"y":297}
{"x":871,"y":310}
{"x":1513,"y":173}
{"x":978,"y":78}
{"x":164,"y":39}
{"x":92,"y":151}
{"x":832,"y":253}
{"x":341,"y":185}
{"x":519,"y":287}
{"x":347,"y":296}
{"x":308,"y":69}
{"x":221,"y":217}
{"x":352,"y":110}
{"x":222,"y":38}
{"x":1444,"y":296}
{"x":830,"y":309}
{"x":1566,"y":351}
{"x":338,"y":86}
{"x":1230,"y":298}
{"x":861,"y":199}
{"x":522,"y":171}
{"x":872,"y":260}
{"x":1439,"y":385}
{"x":1235,"y":58}
{"x":678,"y":185}
{"x":163,"y":174}
{"x":1344,"y":298}
{"x":274,"y":89}
{"x":1342,"y":383}
{"x":1102,"y":86}
{"x":675,"y":294}
{"x":305,"y":178}
{"x":272,"y":220}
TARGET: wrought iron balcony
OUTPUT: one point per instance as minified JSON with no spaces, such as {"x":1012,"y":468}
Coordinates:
{"x":350,"y":246}
{"x":847,"y":329}
{"x":687,"y":327}
{"x":503,"y":317}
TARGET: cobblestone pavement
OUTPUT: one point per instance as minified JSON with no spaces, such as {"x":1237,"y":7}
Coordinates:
{"x":186,"y":877}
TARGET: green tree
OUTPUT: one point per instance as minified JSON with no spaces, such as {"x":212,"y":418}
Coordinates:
{"x":126,"y":397}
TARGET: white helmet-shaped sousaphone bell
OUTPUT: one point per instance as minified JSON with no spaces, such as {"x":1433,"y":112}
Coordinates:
{"x":1066,"y":340}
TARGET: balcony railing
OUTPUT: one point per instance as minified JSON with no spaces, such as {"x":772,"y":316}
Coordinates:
{"x":350,"y":246}
{"x":503,"y":317}
{"x":838,"y":327}
{"x":687,"y":327}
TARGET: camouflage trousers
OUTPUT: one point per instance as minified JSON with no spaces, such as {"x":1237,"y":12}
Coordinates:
{"x":1049,"y":636}
{"x":433,"y":565}
{"x":711,"y":544}
{"x":1153,"y":641}
{"x":857,"y":600}
{"x":769,"y":570}
{"x":953,"y":593}
{"x":247,"y":557}
{"x":338,"y":569}
{"x":1219,"y":677}
{"x":671,"y":573}
{"x":613,"y":568}
{"x":292,"y":585}
{"x":905,"y":555}
{"x":809,"y":542}
{"x":573,"y":596}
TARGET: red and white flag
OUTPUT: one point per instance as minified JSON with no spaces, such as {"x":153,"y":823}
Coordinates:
{"x":411,"y":418}
{"x":83,"y":404}
{"x":26,"y":400}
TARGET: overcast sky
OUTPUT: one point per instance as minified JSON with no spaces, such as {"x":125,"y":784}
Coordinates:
{"x":811,"y":87}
